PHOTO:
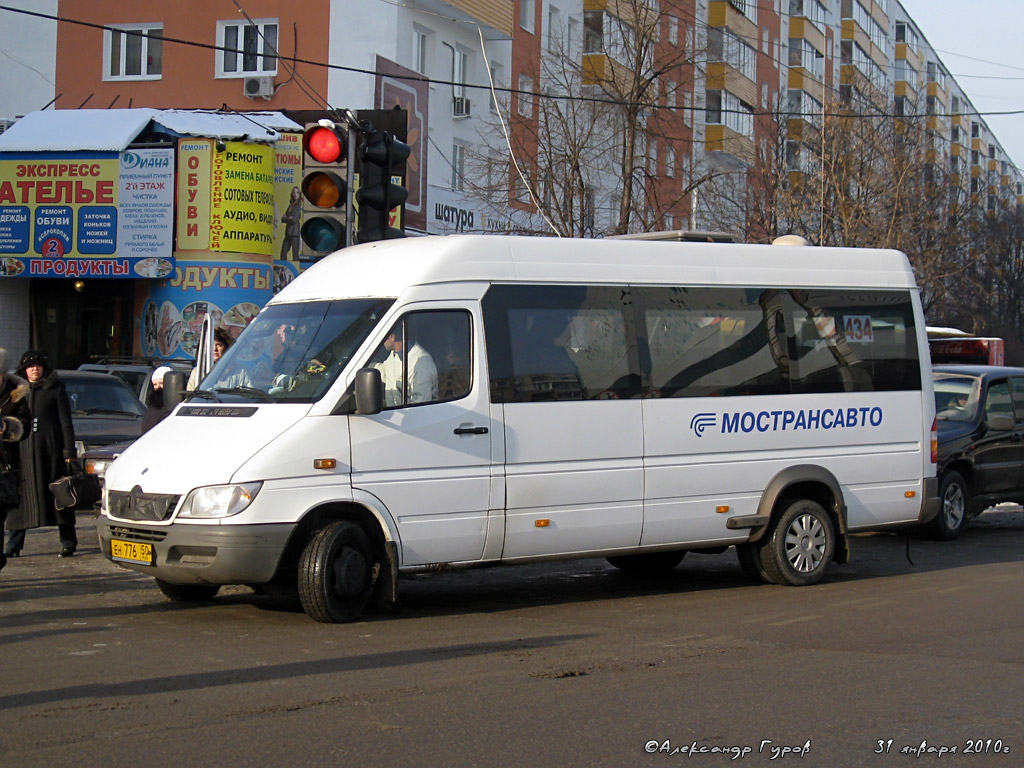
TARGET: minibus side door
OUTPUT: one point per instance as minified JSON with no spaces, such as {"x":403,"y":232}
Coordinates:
{"x":427,"y":455}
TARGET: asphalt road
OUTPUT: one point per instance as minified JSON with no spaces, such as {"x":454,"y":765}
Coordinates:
{"x":561,"y":664}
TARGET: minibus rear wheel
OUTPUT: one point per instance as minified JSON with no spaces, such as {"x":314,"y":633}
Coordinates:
{"x":188,"y":593}
{"x":336,"y":572}
{"x":800,"y":546}
{"x":648,"y":562}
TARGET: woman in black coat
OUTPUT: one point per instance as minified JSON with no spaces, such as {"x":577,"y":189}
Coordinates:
{"x":14,"y":422}
{"x":45,"y":454}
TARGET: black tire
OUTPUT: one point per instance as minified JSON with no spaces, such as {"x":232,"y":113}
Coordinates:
{"x":954,"y":507}
{"x":749,"y":556}
{"x":799,"y":549}
{"x":188,"y":593}
{"x":336,"y":573}
{"x":648,"y":563}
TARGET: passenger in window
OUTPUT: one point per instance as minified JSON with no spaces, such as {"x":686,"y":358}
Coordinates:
{"x":421,"y":371}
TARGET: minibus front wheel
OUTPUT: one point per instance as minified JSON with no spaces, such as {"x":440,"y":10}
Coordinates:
{"x":336,"y":572}
{"x":800,"y":546}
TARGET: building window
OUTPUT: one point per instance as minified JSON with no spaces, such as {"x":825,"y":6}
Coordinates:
{"x":670,"y":162}
{"x":460,"y":72}
{"x":247,"y":49}
{"x":458,"y":166}
{"x":687,"y":107}
{"x":420,"y":47}
{"x":133,"y":53}
{"x":593,"y":32}
{"x":496,"y":78}
{"x":525,"y":96}
{"x":526,"y":14}
{"x":747,"y":7}
{"x":725,"y":46}
{"x":727,"y":109}
{"x":555,"y":30}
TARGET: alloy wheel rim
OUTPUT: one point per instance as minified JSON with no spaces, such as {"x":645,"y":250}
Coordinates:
{"x":805,"y":543}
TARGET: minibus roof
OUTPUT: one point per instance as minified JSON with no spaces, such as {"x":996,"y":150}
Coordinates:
{"x":388,"y":268}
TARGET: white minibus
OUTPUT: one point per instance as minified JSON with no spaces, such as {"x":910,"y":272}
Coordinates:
{"x":469,"y":400}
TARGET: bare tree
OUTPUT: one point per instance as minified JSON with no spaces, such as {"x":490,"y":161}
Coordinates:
{"x":607,"y":123}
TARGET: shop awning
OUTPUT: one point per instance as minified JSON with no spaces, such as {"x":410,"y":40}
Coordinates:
{"x":112,"y":130}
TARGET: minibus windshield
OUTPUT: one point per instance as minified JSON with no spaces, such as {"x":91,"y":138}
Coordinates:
{"x":292,"y":352}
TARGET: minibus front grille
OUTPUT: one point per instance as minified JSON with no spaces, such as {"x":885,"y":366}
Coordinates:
{"x":134,"y":505}
{"x":137,"y":534}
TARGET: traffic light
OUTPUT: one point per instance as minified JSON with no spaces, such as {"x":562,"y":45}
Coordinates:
{"x":383,"y":160}
{"x":324,"y":173}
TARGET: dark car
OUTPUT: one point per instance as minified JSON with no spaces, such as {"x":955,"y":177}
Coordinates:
{"x":103,"y":410}
{"x":137,"y":375}
{"x":980,"y":415}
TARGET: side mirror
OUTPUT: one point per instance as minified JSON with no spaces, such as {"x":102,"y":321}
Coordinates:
{"x":174,"y":387}
{"x":369,"y":392}
{"x":1000,"y":422}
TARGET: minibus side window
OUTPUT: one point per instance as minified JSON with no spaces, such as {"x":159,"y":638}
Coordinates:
{"x":426,"y":358}
{"x":707,"y":342}
{"x":560,"y":343}
{"x":853,"y":341}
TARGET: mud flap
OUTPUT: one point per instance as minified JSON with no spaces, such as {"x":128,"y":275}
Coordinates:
{"x":386,"y":591}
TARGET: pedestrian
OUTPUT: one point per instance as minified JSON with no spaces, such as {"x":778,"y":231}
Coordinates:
{"x":221,"y":341}
{"x":46,"y":454}
{"x":14,"y":423}
{"x":156,"y":408}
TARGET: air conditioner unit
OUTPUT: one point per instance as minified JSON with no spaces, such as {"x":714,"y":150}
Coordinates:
{"x":5,"y":124}
{"x":259,"y":87}
{"x":460,"y":106}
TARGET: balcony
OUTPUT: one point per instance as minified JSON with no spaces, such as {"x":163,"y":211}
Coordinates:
{"x":496,"y":14}
{"x":721,"y":138}
{"x":803,"y":28}
{"x":722,"y":14}
{"x":722,"y":77}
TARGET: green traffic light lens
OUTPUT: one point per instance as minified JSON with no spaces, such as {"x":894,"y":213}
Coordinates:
{"x":322,"y":234}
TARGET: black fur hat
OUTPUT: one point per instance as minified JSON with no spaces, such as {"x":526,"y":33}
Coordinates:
{"x":34,"y":357}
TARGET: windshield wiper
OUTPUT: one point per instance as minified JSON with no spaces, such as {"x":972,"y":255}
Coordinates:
{"x":255,"y":394}
{"x":88,"y":411}
{"x":203,"y":394}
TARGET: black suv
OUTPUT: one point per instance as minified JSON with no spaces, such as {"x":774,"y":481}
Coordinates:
{"x":980,"y":414}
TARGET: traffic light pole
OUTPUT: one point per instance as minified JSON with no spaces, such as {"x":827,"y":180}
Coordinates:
{"x":351,"y":197}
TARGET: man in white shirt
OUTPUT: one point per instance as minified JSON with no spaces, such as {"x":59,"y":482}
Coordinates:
{"x":422,"y":373}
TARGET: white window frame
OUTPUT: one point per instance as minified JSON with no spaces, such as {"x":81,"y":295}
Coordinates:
{"x":524,"y":99}
{"x":124,"y":29}
{"x":458,"y":166}
{"x":526,"y":14}
{"x":460,"y":71}
{"x":262,"y":53}
{"x":420,"y":50}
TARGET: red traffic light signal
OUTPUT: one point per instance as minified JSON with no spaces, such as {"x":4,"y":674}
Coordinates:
{"x":323,"y":145}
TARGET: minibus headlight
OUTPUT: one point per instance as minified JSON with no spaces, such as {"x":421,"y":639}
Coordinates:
{"x":219,"y":500}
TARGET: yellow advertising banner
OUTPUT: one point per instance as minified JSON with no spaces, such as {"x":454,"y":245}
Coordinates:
{"x":194,"y":194}
{"x":242,"y":199}
{"x":287,"y":179}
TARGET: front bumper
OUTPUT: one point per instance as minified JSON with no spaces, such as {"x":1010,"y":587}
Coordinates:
{"x":202,"y":554}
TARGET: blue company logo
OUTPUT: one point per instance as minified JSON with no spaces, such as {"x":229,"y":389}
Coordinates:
{"x":787,"y":420}
{"x":135,"y":161}
{"x":701,"y":422}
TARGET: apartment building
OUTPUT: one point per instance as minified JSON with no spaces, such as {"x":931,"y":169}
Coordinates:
{"x":725,"y":74}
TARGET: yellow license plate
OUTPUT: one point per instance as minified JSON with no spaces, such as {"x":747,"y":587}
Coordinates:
{"x":132,"y":552}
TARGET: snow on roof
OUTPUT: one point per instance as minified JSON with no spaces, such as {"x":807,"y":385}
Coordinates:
{"x":111,"y":130}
